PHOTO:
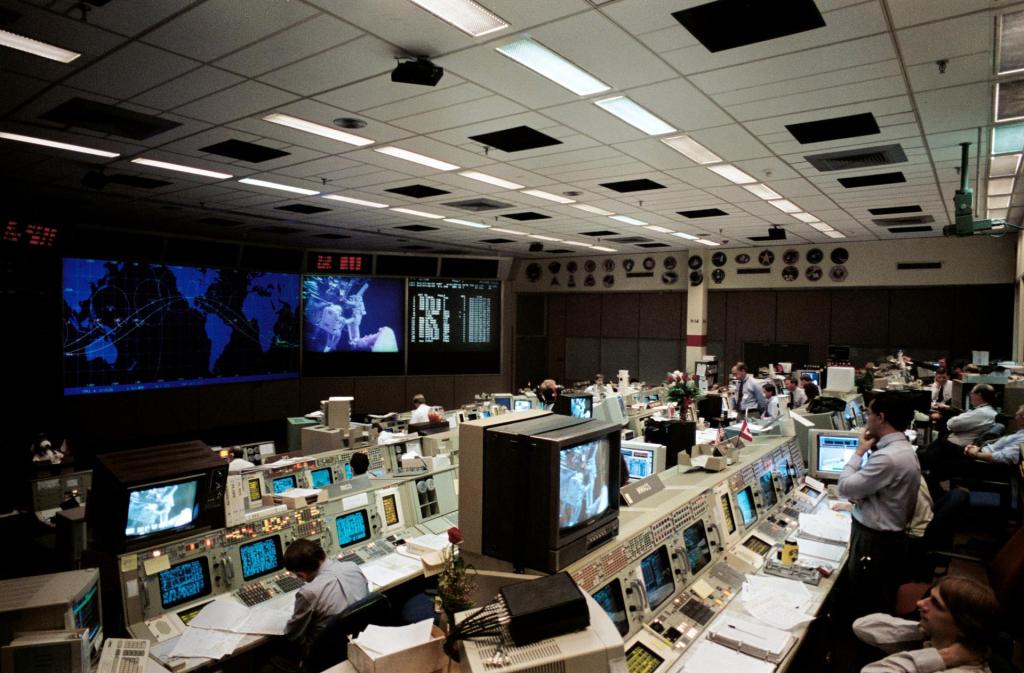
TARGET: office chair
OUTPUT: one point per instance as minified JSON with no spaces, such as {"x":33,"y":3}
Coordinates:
{"x":331,"y":645}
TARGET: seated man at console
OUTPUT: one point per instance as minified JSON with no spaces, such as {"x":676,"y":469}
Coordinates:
{"x":420,"y":409}
{"x":359,"y":463}
{"x":331,"y":586}
{"x":771,"y":395}
{"x":797,"y":397}
{"x":944,"y":456}
{"x":599,"y":389}
{"x":958,"y":622}
{"x":1005,"y":449}
{"x":810,"y":388}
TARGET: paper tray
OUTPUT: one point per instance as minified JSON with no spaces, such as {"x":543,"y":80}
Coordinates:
{"x":424,"y":658}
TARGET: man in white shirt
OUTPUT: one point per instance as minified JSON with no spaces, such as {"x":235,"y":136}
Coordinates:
{"x":770,"y":394}
{"x":598,"y":388}
{"x":942,"y":459}
{"x":797,"y":396}
{"x":942,"y":389}
{"x":420,"y":410}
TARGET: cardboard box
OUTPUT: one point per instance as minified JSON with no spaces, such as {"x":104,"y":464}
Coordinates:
{"x":425,"y":658}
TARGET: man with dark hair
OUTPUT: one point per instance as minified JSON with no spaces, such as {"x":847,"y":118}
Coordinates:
{"x":420,"y":409}
{"x":331,"y":586}
{"x":883,"y":487}
{"x":749,"y":396}
{"x":810,"y":389}
{"x":359,"y":463}
{"x":959,"y":618}
{"x":797,"y":397}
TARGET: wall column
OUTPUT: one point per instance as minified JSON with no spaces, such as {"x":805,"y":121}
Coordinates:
{"x":696,"y":316}
{"x":1018,"y":302}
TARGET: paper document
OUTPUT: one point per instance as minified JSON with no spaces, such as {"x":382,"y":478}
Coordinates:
{"x":708,"y":657}
{"x":822,"y":550}
{"x":825,"y":526}
{"x":391,"y":569}
{"x":378,"y":641}
{"x":740,"y":633}
{"x":267,"y":619}
{"x":427,"y":543}
{"x":222,"y":615}
{"x":788,"y":593}
{"x":205,"y":643}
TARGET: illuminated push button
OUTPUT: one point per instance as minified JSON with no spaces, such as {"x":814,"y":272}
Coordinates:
{"x":719,"y":601}
{"x":692,"y":633}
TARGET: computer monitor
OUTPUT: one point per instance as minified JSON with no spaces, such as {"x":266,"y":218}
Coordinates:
{"x":503,"y":400}
{"x":611,"y":410}
{"x":577,"y":405}
{"x":768,"y":495}
{"x":609,"y":597}
{"x":261,"y":557}
{"x":830,"y":451}
{"x":321,"y":478}
{"x":184,"y":582}
{"x":746,"y":506}
{"x":813,"y":373}
{"x":521,"y":403}
{"x":643,"y":458}
{"x":352,"y":528}
{"x":657,"y":572}
{"x":285,"y":483}
{"x":698,"y":551}
{"x":854,"y":413}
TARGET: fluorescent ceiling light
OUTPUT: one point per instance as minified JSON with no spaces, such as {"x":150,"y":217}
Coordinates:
{"x":465,"y":15}
{"x":60,"y":146}
{"x":1004,"y":164}
{"x":467,"y":223}
{"x":603,"y":249}
{"x":732,"y":174}
{"x":688,"y":237}
{"x":275,"y":185}
{"x":692,"y":149}
{"x":786,"y":206}
{"x":317,"y":129}
{"x":182,"y":169}
{"x":357,"y":202}
{"x":592,"y":209}
{"x":625,"y":219}
{"x":660,"y":230}
{"x":835,"y":234}
{"x":998,"y":202}
{"x":37,"y":48}
{"x":821,"y":226}
{"x":490,"y":179}
{"x":805,"y":217}
{"x":1000,"y":186}
{"x":509,"y":231}
{"x":547,"y":63}
{"x":578,"y":244}
{"x":399,"y":153}
{"x":634,"y":115}
{"x":707,"y":242}
{"x":763,"y":192}
{"x":545,"y":238}
{"x":548,"y":196}
{"x":418,"y":213}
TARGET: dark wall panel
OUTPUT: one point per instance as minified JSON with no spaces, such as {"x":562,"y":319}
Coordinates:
{"x":982,"y":320}
{"x":530,"y":314}
{"x":662,"y":314}
{"x":860,"y":317}
{"x":556,"y":337}
{"x":582,"y":359}
{"x":465,"y":387}
{"x":271,"y":399}
{"x":619,"y":354}
{"x":380,"y":393}
{"x":619,"y":315}
{"x":583,"y":315}
{"x":803,"y":318}
{"x":916,"y":318}
{"x":658,"y":357}
{"x":224,"y":405}
{"x":718,"y":309}
{"x":751,"y":317}
{"x":439,"y":391}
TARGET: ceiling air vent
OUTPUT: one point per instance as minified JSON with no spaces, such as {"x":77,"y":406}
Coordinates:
{"x":903,"y":221}
{"x":915,"y":266}
{"x":478,"y":205}
{"x":865,"y":157}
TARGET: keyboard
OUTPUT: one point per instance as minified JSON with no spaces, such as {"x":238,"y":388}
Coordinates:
{"x":254,"y":594}
{"x":123,"y":655}
{"x":288,"y":583}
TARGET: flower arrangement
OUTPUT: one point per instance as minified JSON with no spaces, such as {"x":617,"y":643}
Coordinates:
{"x":683,"y":389}
{"x":455,"y":583}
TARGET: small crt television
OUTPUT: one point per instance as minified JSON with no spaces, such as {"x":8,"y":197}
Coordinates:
{"x":577,"y":405}
{"x":643,"y":458}
{"x":502,"y":400}
{"x":550,"y":490}
{"x":830,"y":450}
{"x":155,"y":495}
{"x":522,"y":403}
{"x":854,"y":413}
{"x":612,"y":410}
{"x":815,"y":375}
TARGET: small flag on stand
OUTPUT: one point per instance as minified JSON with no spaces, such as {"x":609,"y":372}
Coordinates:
{"x":745,"y":432}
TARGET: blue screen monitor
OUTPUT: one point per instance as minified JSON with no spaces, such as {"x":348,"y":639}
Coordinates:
{"x":352,"y":528}
{"x":609,"y":597}
{"x":785,"y":474}
{"x":159,"y":507}
{"x":581,"y":407}
{"x":639,"y":462}
{"x":322,"y":478}
{"x":184,"y":582}
{"x":813,"y":373}
{"x":658,"y":580}
{"x":521,"y":404}
{"x":282,"y":484}
{"x":746,"y":505}
{"x":503,"y":401}
{"x":261,"y":557}
{"x":768,"y":496}
{"x":830,"y":451}
{"x":698,"y":552}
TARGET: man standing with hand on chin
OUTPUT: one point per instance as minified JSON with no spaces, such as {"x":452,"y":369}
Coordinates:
{"x":883,"y":488}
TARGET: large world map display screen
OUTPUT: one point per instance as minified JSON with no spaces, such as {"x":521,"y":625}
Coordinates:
{"x":137,"y":326}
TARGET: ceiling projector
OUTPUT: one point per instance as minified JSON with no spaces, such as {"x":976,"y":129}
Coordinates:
{"x":421,"y":71}
{"x":963,"y":206}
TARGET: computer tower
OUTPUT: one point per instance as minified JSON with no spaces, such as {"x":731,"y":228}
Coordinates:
{"x":675,"y":434}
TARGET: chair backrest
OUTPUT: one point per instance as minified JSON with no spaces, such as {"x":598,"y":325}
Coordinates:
{"x":331,"y":645}
{"x":1007,"y":568}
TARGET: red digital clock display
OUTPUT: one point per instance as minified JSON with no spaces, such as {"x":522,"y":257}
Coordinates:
{"x":330,"y":262}
{"x":32,"y":235}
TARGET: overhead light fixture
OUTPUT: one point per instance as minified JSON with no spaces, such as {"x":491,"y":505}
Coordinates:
{"x":998,"y":186}
{"x":708,"y":243}
{"x":406,"y":155}
{"x":835,"y":234}
{"x":421,"y":71}
{"x":821,"y":226}
{"x":508,"y":231}
{"x":691,"y":149}
{"x":1003,"y":165}
{"x":274,"y":185}
{"x":688,"y":237}
{"x":57,"y":145}
{"x":625,"y":219}
{"x":763,"y":192}
{"x":545,"y":238}
{"x":181,"y":169}
{"x":467,"y":223}
{"x":732,"y":174}
{"x":578,"y":244}
{"x":998,"y":202}
{"x":786,"y":206}
{"x":418,"y":213}
{"x":604,"y":249}
{"x":37,"y":48}
{"x":660,"y":230}
{"x":465,"y":15}
{"x":548,"y":196}
{"x":317,"y":129}
{"x":592,"y":209}
{"x":490,"y":179}
{"x":547,"y":63}
{"x":805,"y":217}
{"x":634,"y":115}
{"x":355,"y":202}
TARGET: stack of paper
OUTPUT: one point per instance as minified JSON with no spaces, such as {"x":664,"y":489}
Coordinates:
{"x":378,"y":641}
{"x":426,"y":544}
{"x":206,"y":643}
{"x":757,"y":640}
{"x":267,"y":618}
{"x":708,"y":657}
{"x":825,"y":526}
{"x":776,"y":601}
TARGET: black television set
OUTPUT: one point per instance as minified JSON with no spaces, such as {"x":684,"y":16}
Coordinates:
{"x":154,"y":495}
{"x":430,"y":428}
{"x":674,"y":434}
{"x":550,"y":490}
{"x":577,"y":405}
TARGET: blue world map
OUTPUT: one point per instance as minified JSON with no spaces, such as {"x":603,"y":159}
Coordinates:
{"x":135,"y":325}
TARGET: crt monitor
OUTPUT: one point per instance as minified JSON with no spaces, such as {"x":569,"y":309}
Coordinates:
{"x":830,"y":450}
{"x":352,"y":528}
{"x":282,"y":484}
{"x":658,"y":581}
{"x":768,"y":495}
{"x":813,"y":373}
{"x":698,"y":551}
{"x":165,"y":506}
{"x":611,"y":410}
{"x":503,"y":401}
{"x":521,"y":403}
{"x":321,"y":478}
{"x":577,"y":405}
{"x":609,"y":597}
{"x":261,"y":557}
{"x":854,"y":413}
{"x":643,"y":458}
{"x":746,"y":506}
{"x":184,"y":582}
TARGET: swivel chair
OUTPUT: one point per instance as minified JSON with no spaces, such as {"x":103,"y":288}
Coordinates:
{"x":331,"y":645}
